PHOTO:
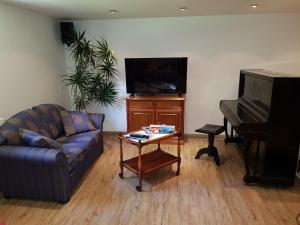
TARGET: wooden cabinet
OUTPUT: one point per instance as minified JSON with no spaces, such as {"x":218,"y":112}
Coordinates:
{"x":169,"y":117}
{"x":146,"y":110}
{"x":139,"y":118}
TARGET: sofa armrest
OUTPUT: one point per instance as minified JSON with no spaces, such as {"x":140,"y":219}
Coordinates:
{"x":97,"y":119}
{"x":35,"y":173}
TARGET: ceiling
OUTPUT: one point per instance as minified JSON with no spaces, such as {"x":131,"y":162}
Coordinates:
{"x":99,"y":9}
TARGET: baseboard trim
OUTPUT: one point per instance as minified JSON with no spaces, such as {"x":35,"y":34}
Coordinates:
{"x":203,"y":136}
{"x":114,"y":132}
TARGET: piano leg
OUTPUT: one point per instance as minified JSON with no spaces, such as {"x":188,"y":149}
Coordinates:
{"x":256,"y":158}
{"x":246,"y":156}
{"x":248,"y":178}
{"x":231,"y":138}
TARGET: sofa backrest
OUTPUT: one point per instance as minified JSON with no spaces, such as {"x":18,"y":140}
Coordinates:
{"x":27,"y":119}
{"x":51,"y":117}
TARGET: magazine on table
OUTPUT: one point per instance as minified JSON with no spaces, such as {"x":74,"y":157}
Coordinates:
{"x":162,"y":129}
{"x":151,"y":132}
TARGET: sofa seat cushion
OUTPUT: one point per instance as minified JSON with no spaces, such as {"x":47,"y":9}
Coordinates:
{"x":50,"y":115}
{"x":27,"y":119}
{"x":76,"y":146}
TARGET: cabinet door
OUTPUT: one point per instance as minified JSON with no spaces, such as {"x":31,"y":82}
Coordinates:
{"x":139,"y":118}
{"x":169,"y":117}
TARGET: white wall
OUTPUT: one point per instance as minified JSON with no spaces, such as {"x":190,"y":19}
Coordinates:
{"x":217,"y":48}
{"x":32,"y":60}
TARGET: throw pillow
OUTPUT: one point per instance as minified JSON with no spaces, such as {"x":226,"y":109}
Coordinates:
{"x":76,"y":122}
{"x":27,"y":119}
{"x":34,"y":139}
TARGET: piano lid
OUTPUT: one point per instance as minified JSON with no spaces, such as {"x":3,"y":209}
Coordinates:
{"x":267,"y":73}
{"x":255,"y":92}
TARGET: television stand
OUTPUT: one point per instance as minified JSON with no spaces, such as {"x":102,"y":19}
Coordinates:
{"x":161,"y":109}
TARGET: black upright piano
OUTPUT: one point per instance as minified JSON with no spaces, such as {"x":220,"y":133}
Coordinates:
{"x":266,"y":119}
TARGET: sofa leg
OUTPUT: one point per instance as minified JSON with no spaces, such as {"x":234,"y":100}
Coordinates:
{"x":6,"y":196}
{"x":63,"y":201}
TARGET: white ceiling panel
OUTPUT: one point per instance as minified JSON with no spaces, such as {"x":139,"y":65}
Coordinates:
{"x":99,"y":9}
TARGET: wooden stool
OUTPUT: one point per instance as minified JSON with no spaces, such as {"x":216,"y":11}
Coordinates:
{"x":211,"y":150}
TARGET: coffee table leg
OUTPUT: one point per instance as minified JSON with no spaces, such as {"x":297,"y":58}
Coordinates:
{"x":158,"y":146}
{"x":178,"y":155}
{"x":121,"y":159}
{"x":139,"y":187}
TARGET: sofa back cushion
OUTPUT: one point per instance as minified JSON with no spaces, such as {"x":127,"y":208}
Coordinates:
{"x":51,"y":117}
{"x":27,"y":119}
{"x":76,"y":122}
{"x":97,"y":120}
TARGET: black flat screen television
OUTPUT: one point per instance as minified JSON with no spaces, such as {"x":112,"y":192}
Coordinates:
{"x":150,"y":76}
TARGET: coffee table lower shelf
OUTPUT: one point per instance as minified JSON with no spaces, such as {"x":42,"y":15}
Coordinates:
{"x":150,"y":161}
{"x":146,"y":163}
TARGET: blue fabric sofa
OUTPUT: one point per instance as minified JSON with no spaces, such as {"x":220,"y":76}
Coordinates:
{"x":43,"y":173}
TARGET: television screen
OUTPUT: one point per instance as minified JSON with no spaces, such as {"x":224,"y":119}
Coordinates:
{"x":156,"y":75}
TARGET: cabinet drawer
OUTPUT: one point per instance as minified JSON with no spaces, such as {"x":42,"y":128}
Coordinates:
{"x":140,"y":104}
{"x":168,"y":104}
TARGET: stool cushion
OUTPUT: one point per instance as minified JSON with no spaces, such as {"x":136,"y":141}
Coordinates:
{"x":211,"y":129}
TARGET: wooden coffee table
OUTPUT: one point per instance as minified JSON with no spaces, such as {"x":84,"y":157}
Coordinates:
{"x":149,"y":162}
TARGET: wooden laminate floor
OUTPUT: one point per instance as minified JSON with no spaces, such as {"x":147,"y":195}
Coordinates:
{"x":202,"y":194}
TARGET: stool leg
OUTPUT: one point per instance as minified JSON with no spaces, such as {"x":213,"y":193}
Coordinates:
{"x":207,"y":150}
{"x":211,"y":139}
{"x":214,"y":150}
{"x":211,"y":150}
{"x":203,"y":151}
{"x":216,"y":155}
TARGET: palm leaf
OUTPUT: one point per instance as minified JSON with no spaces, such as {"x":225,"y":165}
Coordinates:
{"x":108,"y":70}
{"x":94,"y":74}
{"x":104,"y":53}
{"x":105,"y":93}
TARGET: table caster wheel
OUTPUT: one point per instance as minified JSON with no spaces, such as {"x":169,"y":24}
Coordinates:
{"x":121,"y":175}
{"x":139,"y":188}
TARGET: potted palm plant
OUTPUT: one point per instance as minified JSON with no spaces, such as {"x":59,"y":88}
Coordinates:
{"x":93,"y":79}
